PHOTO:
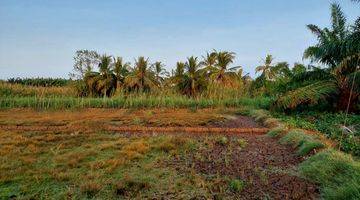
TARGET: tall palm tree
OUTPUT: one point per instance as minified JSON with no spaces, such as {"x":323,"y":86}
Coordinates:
{"x":160,"y":72}
{"x":193,"y":80}
{"x":338,"y":48}
{"x":106,"y":79}
{"x":281,"y":70}
{"x":209,"y":61}
{"x":177,"y":75}
{"x":266,"y":68}
{"x":222,"y":73}
{"x":121,"y":70}
{"x":141,"y":78}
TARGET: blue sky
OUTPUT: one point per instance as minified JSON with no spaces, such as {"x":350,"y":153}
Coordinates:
{"x":40,"y":37}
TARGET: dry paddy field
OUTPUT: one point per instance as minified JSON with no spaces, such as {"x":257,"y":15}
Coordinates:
{"x":144,"y":154}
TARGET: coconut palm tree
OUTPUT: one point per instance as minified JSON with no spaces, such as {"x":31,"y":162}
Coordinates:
{"x":177,"y":74}
{"x":121,"y":70}
{"x":106,"y":79}
{"x":141,"y":78}
{"x":338,"y":49}
{"x":222,"y":73}
{"x":193,"y":80}
{"x":209,"y":61}
{"x":160,"y":72}
{"x":266,"y":68}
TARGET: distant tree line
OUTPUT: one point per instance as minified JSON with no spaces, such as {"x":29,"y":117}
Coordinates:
{"x":190,"y":78}
{"x":333,"y":84}
{"x":44,"y":82}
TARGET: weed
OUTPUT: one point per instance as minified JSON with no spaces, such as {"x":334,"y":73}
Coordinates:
{"x":222,"y":140}
{"x":241,"y":142}
{"x":236,"y":185}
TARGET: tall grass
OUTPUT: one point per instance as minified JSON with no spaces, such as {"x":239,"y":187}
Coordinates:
{"x":140,"y":101}
{"x":18,"y":90}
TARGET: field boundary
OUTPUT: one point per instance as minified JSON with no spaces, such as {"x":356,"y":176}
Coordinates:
{"x":140,"y":129}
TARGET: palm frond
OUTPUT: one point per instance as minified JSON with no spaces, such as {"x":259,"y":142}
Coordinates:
{"x":338,"y":20}
{"x":310,"y":94}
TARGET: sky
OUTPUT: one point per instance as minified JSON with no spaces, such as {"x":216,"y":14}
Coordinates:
{"x":39,"y":38}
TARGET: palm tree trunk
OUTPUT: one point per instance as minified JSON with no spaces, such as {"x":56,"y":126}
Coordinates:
{"x":344,"y":98}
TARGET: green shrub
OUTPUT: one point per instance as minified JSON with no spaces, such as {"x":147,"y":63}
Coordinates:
{"x":337,"y":173}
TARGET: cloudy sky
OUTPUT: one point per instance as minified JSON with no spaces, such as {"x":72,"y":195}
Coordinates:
{"x":39,"y":37}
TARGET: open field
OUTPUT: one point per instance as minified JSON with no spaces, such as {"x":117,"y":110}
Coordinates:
{"x":214,"y":125}
{"x":90,"y":163}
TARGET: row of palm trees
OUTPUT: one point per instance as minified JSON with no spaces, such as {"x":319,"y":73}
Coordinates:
{"x":190,"y":77}
{"x":336,"y":83}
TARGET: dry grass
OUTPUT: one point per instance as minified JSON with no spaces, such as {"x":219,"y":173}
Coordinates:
{"x":14,"y":90}
{"x":96,"y":117}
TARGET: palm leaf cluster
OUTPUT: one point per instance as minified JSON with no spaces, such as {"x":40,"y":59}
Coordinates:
{"x":338,"y":48}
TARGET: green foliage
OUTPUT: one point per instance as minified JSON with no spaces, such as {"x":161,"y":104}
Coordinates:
{"x":337,"y":173}
{"x":338,"y":49}
{"x":330,"y":125}
{"x":304,"y":142}
{"x":310,"y":94}
{"x":236,"y":185}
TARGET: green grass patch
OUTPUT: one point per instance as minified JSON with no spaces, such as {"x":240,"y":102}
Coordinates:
{"x":304,"y":142}
{"x":337,"y":173}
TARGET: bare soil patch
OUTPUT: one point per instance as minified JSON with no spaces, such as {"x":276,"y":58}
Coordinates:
{"x":266,"y":167}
